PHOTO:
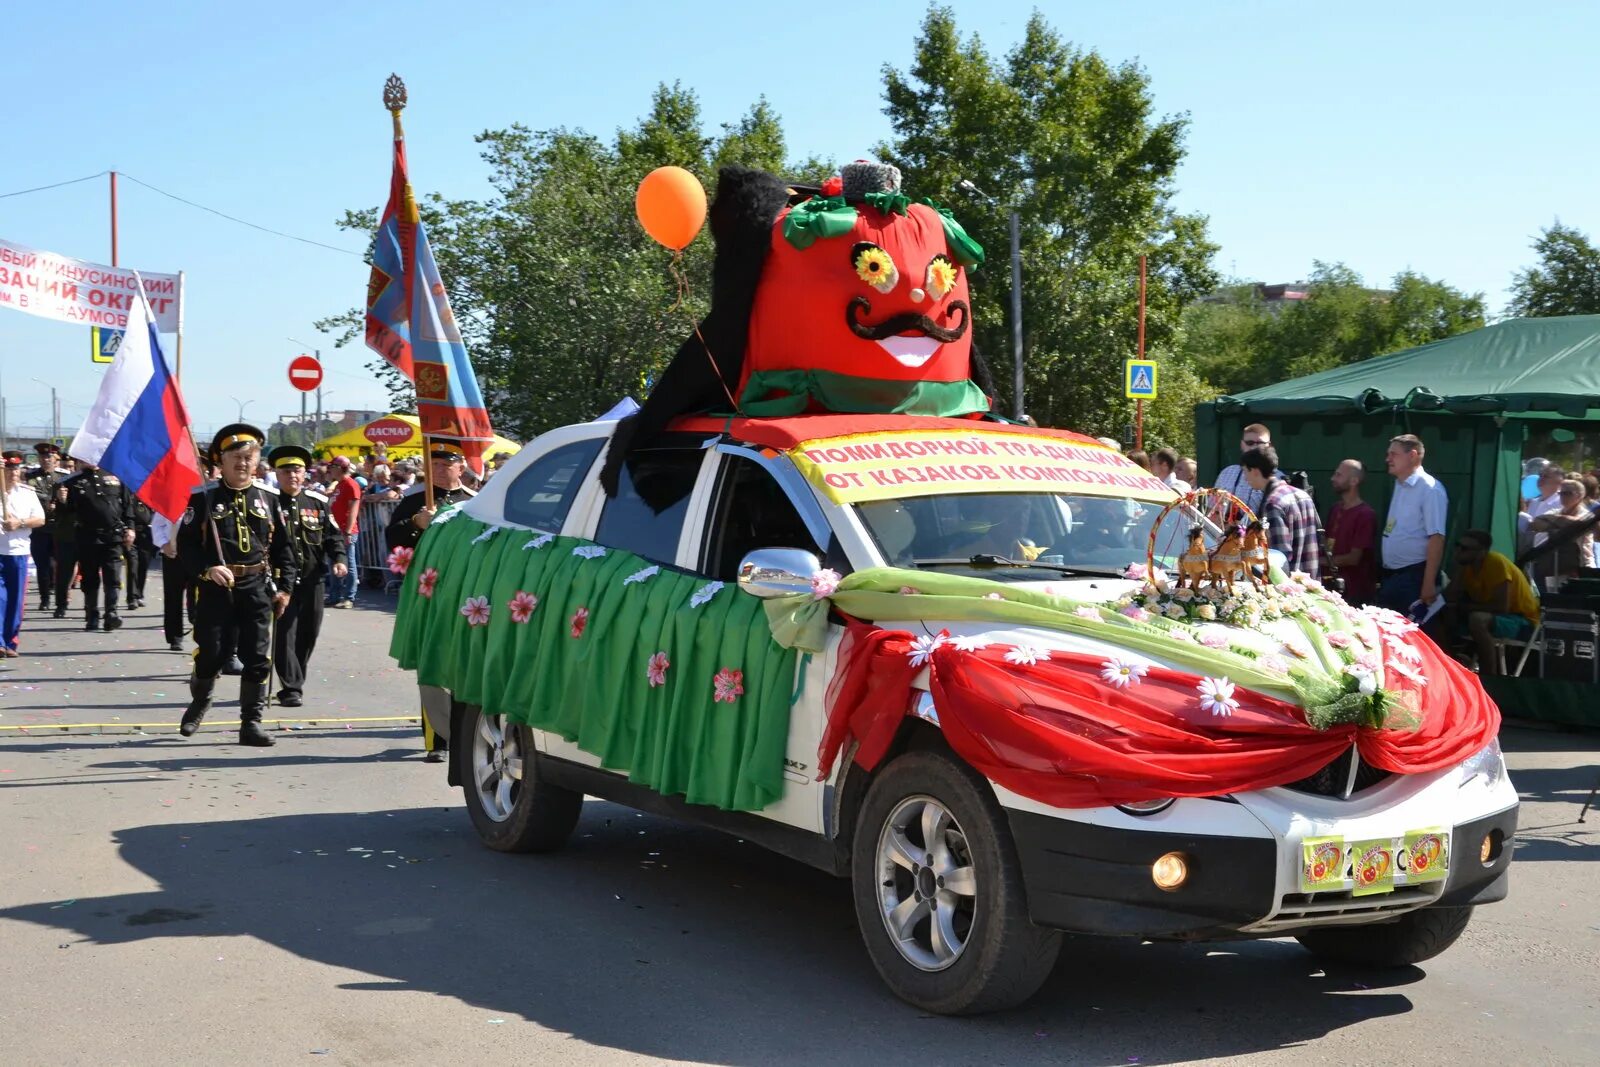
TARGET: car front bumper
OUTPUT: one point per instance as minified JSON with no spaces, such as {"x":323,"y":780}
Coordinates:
{"x":1096,"y":879}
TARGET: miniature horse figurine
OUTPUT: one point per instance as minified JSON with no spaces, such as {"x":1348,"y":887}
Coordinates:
{"x":1194,"y":566}
{"x":1254,"y":551}
{"x":1227,"y":562}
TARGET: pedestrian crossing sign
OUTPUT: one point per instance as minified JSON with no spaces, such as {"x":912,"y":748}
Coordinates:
{"x":1139,"y":379}
{"x":103,"y":344}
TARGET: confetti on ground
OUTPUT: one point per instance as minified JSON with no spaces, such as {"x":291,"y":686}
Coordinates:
{"x":64,"y":903}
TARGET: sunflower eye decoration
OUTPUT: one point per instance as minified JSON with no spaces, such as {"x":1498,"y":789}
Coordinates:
{"x":874,"y":266}
{"x":941,"y":276}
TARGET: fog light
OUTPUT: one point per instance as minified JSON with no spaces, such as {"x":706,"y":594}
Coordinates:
{"x":1170,"y":871}
{"x":1489,"y":851}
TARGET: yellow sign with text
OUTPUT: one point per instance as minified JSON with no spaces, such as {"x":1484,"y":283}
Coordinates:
{"x":899,"y":464}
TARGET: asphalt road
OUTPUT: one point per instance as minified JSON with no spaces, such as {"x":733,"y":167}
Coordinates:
{"x":167,"y":901}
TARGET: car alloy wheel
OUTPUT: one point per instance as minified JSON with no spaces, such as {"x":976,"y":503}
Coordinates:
{"x":927,"y":887}
{"x":497,"y":766}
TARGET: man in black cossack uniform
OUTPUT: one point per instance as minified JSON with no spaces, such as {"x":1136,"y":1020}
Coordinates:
{"x":103,"y":521}
{"x":232,"y":538}
{"x":44,"y":479}
{"x":412,"y":516}
{"x":318,"y":549}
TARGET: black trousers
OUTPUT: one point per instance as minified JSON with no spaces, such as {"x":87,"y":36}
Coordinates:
{"x":101,"y":566}
{"x":297,"y":636}
{"x":42,"y":545}
{"x":138,"y":558}
{"x":244,"y":613}
{"x":174,"y":591}
{"x":66,"y":564}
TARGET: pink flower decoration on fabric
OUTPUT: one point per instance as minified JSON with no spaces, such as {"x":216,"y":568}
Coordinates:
{"x":1136,"y":613}
{"x":580,"y":619}
{"x":727,"y":686}
{"x":909,"y":590}
{"x":400,"y":559}
{"x":522,"y":606}
{"x":426,"y":582}
{"x":1214,"y":637}
{"x":476,"y":610}
{"x":1275,"y":664}
{"x":1340,"y":640}
{"x":824,"y":583}
{"x":1136,"y":572}
{"x":1086,"y":612}
{"x":656,"y":669}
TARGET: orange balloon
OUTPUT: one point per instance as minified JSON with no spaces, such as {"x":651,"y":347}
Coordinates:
{"x":671,"y":205}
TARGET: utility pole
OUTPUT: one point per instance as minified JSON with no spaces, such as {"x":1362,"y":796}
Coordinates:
{"x":1016,"y":295}
{"x":55,"y":415}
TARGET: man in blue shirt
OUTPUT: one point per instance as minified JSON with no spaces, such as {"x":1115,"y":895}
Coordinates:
{"x":1413,"y":537}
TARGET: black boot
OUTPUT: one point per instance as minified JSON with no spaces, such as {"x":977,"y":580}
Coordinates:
{"x":44,"y":602}
{"x":252,"y":704}
{"x":61,"y":610}
{"x":113,"y":620}
{"x":91,"y":620}
{"x":199,"y":704}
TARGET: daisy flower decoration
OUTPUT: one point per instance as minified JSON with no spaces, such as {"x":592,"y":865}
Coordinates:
{"x":475,"y":609}
{"x":1216,"y":696}
{"x":969,"y":643}
{"x":1122,"y":673}
{"x":1027,"y":655}
{"x":922,"y":648}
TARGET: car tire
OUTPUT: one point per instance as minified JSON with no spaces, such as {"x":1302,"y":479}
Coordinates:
{"x":511,"y":807}
{"x":992,"y":955}
{"x":1412,"y":938}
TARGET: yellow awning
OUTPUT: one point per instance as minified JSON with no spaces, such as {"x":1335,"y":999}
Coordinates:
{"x":402,"y":435}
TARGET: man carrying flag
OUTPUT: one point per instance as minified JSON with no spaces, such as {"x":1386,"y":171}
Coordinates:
{"x":409,"y":323}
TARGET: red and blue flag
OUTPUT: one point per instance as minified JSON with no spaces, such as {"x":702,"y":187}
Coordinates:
{"x":409,"y":323}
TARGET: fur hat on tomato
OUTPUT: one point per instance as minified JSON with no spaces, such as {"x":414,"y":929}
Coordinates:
{"x":233,"y":436}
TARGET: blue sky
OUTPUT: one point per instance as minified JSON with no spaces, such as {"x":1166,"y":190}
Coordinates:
{"x":1435,"y":137}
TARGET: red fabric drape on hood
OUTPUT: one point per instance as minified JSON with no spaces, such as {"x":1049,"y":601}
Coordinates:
{"x":1056,"y":732}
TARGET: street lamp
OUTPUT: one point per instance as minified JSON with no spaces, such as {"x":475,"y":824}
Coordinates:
{"x":55,"y":409}
{"x":1016,"y":293}
{"x":242,"y":405}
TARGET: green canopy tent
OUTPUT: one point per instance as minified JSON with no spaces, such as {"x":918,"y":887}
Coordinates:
{"x":1476,"y":400}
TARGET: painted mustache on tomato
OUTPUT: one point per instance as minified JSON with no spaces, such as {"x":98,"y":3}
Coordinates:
{"x":904,"y":322}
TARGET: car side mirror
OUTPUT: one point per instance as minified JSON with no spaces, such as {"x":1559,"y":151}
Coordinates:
{"x":774,"y":572}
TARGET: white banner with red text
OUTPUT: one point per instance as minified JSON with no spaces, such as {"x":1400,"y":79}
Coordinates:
{"x":77,"y":291}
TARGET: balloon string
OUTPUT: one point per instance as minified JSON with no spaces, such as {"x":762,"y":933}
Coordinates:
{"x":683,"y":298}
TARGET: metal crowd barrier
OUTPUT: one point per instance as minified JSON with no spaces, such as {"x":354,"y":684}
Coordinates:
{"x":372,"y":554}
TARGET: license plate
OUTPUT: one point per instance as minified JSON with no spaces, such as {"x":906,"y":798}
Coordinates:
{"x":1370,"y":867}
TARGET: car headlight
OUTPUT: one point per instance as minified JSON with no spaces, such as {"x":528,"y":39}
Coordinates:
{"x":1147,"y":807}
{"x":1488,"y":762}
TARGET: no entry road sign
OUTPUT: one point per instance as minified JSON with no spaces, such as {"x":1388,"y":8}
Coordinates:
{"x":305,"y":373}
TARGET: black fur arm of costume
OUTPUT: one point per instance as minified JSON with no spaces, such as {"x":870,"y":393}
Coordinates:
{"x":747,"y":203}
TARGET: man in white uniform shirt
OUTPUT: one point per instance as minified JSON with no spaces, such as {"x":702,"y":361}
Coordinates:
{"x":1413,"y":537}
{"x":21,"y":515}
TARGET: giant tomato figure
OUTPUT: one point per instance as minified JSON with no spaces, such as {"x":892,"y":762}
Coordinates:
{"x":863,"y":307}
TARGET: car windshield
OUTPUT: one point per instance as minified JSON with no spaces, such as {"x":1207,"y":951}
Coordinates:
{"x":1025,"y":537}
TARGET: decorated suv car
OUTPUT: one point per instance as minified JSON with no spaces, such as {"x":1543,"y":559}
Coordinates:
{"x":967,"y":666}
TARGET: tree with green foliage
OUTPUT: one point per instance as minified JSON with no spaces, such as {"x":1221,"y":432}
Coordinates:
{"x":1073,"y":142}
{"x":565,"y":303}
{"x":1565,"y":281}
{"x":1237,"y":342}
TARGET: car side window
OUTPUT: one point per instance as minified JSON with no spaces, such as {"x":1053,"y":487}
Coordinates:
{"x":541,"y":496}
{"x":646,"y":516}
{"x":752,"y":511}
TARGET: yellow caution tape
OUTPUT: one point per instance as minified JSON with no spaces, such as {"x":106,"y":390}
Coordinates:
{"x":67,"y":727}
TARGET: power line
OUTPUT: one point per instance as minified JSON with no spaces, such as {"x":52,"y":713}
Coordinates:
{"x":57,"y":185}
{"x":231,"y":218}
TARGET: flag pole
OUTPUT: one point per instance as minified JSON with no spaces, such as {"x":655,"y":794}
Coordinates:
{"x":178,"y":373}
{"x":394,"y":98}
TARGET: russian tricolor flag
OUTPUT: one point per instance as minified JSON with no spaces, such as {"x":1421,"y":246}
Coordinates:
{"x":138,"y":428}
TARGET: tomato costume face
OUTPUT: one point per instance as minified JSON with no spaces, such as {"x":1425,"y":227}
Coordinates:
{"x":863,"y":308}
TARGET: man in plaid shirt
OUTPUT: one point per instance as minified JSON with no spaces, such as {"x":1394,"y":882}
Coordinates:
{"x":1289,"y":513}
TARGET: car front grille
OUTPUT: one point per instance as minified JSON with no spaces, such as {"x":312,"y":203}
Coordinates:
{"x":1333,"y":779}
{"x":1299,"y":910}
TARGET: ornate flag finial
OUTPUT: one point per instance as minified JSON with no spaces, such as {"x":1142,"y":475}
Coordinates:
{"x":394,"y":93}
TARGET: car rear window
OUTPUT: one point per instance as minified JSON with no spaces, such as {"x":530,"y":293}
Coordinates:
{"x":541,"y":496}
